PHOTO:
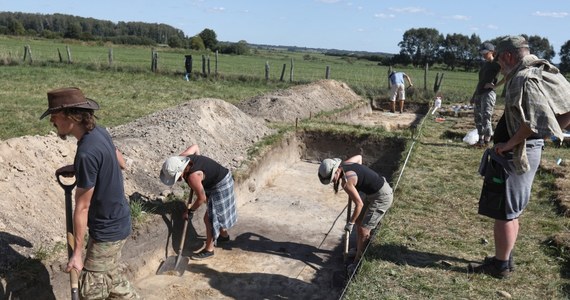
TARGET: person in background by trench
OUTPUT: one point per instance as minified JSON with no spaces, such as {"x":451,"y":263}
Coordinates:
{"x":536,"y":107}
{"x":484,"y":97}
{"x":398,"y":89}
{"x":100,"y":202}
{"x":213,"y":185}
{"x":370,"y":193}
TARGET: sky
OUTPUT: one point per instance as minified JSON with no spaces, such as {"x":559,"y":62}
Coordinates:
{"x":368,"y":25}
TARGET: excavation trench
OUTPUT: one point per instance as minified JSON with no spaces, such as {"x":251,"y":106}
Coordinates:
{"x":287,"y":242}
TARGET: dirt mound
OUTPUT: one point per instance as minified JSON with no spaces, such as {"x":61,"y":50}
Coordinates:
{"x":300,"y":101}
{"x":32,"y":217}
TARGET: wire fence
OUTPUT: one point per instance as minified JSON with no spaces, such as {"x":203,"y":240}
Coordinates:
{"x":266,"y":64}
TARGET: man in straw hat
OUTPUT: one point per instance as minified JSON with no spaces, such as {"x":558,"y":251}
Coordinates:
{"x":536,"y":107}
{"x":371,"y":194}
{"x":100,"y":202}
{"x":213,"y":185}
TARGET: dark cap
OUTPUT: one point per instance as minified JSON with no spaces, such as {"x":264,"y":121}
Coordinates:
{"x":511,"y":43}
{"x":68,"y":97}
{"x":486,"y":47}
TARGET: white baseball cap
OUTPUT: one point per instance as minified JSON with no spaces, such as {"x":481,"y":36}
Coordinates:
{"x":327,"y":169}
{"x":173,"y":168}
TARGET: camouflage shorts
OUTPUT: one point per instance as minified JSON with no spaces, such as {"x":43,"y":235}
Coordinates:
{"x":101,"y":277}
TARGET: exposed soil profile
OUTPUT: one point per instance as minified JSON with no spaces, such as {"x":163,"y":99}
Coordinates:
{"x":288,"y":231}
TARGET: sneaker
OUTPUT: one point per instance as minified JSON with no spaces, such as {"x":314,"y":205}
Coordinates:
{"x":202,"y":255}
{"x":489,"y":267}
{"x":223,"y":239}
{"x":511,"y":262}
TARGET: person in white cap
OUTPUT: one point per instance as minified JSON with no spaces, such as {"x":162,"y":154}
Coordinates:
{"x":213,"y":185}
{"x":369,"y":191}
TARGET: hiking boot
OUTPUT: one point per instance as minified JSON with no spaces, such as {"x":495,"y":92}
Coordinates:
{"x":202,"y":255}
{"x":511,"y":262}
{"x":489,"y":267}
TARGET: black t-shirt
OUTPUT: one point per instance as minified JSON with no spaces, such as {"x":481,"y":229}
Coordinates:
{"x":501,"y":134}
{"x":487,"y":74}
{"x":369,"y":182}
{"x":96,"y":165}
{"x":213,"y":171}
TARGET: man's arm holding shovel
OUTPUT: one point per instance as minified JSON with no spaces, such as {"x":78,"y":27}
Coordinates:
{"x":82,"y":202}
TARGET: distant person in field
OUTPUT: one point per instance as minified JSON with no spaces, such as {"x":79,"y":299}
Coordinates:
{"x":536,"y":107}
{"x":398,"y":89}
{"x":213,"y":185}
{"x":100,"y":202}
{"x":484,"y":97}
{"x":370,"y":192}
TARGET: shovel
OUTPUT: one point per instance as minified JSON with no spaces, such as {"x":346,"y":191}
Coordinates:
{"x":347,"y":233}
{"x":73,"y":275}
{"x":176,"y":265}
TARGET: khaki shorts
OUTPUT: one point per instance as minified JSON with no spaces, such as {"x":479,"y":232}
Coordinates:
{"x":375,"y":206}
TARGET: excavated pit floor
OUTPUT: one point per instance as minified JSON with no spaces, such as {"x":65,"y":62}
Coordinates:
{"x":287,"y":243}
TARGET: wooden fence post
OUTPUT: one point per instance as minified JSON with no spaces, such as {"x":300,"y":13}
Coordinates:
{"x":110,"y":57}
{"x":328,"y":72}
{"x":208,"y":59}
{"x":426,"y":68}
{"x":154,"y":61}
{"x":267,"y":70}
{"x":204,"y":65}
{"x":292,"y":70}
{"x":283,"y":72}
{"x":390,"y":70}
{"x":216,"y":64}
{"x":59,"y":54}
{"x":69,"y":60}
{"x":437,"y":83}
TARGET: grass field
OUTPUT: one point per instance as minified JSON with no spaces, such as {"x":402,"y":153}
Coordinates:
{"x":128,"y":88}
{"x":433,"y":229}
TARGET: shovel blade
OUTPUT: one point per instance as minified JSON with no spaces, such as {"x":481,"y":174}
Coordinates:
{"x":171,"y":267}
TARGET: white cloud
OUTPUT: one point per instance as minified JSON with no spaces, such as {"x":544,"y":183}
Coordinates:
{"x":460,"y":17}
{"x":492,"y":26}
{"x":217,"y":9}
{"x":550,"y":14}
{"x":328,"y":1}
{"x":384,"y":16}
{"x":411,"y":10}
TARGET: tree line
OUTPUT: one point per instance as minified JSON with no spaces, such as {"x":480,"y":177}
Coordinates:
{"x":426,"y":46}
{"x":419,"y":46}
{"x":54,"y":26}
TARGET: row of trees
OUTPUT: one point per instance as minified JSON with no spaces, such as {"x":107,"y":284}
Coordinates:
{"x":423,"y":46}
{"x":133,"y":33}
